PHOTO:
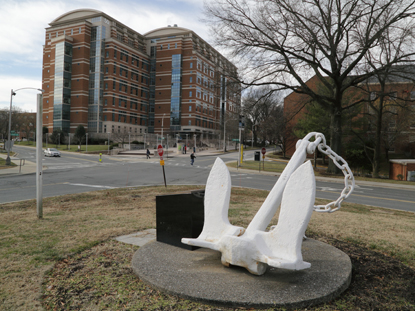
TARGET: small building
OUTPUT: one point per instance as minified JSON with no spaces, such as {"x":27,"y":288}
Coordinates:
{"x":402,"y":169}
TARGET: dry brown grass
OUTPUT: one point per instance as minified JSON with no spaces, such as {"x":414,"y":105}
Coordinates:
{"x":73,"y":223}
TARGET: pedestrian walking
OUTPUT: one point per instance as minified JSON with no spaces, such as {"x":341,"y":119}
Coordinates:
{"x":185,"y":149}
{"x":148,"y":154}
{"x":192,"y":158}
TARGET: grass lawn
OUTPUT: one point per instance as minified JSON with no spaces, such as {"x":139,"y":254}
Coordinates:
{"x":69,"y":260}
{"x":4,"y":166}
{"x":277,"y":165}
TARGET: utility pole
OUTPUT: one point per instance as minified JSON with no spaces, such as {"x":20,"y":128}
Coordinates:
{"x":39,"y":157}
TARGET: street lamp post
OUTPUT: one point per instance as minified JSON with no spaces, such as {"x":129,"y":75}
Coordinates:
{"x":108,"y":142}
{"x":252,"y":142}
{"x":59,"y":140}
{"x":129,"y":143}
{"x":162,"y":126}
{"x":12,"y":93}
{"x":86,"y":143}
{"x":186,"y":141}
{"x":224,"y":134}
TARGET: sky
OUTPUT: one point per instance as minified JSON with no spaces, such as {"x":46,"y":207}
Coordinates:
{"x":22,"y":33}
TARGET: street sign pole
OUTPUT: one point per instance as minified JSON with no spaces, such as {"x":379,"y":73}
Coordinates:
{"x":263,"y":151}
{"x":160,"y":152}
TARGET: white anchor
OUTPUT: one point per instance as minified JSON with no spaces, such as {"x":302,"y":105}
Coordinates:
{"x":253,"y":247}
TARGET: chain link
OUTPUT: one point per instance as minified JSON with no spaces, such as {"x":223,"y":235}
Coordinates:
{"x":349,"y":183}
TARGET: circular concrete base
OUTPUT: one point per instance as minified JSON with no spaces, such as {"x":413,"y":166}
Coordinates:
{"x":199,"y":275}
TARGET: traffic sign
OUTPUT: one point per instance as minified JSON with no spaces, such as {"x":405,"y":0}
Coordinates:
{"x":263,"y":150}
{"x":161,"y":162}
{"x":160,"y":150}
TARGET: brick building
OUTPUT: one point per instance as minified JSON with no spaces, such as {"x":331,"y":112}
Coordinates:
{"x":99,"y":73}
{"x":398,"y":123}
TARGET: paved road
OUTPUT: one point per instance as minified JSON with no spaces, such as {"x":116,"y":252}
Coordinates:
{"x":76,"y":173}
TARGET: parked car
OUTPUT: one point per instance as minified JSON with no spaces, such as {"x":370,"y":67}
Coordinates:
{"x":52,"y":152}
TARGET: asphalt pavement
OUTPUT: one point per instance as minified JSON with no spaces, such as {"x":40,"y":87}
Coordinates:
{"x":29,"y":167}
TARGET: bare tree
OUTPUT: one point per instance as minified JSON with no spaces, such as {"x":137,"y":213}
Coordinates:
{"x":386,"y":115}
{"x":383,"y":99}
{"x":284,"y":42}
{"x":27,"y":124}
{"x":17,"y":121}
{"x":259,"y":107}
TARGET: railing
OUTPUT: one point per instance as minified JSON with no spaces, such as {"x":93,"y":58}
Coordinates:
{"x":20,"y":165}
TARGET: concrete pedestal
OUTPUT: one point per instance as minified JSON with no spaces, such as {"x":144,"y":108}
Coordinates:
{"x":199,"y":275}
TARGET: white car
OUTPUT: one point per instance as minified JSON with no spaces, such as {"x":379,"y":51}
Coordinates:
{"x":52,"y":152}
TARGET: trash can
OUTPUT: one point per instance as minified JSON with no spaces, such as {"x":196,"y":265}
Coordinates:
{"x":179,"y":216}
{"x":257,"y":156}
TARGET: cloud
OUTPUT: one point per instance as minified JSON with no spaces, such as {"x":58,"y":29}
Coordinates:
{"x":23,"y":24}
{"x":24,"y":99}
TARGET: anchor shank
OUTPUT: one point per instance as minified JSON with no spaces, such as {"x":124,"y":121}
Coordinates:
{"x":273,"y":201}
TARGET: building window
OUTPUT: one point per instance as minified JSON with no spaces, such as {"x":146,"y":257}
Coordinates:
{"x":190,"y":108}
{"x":191,"y":79}
{"x":191,"y":65}
{"x":190,"y":94}
{"x":80,"y":30}
{"x":372,"y":95}
{"x":190,"y":122}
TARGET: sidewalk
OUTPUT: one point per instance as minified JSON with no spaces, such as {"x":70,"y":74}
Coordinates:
{"x":172,"y":153}
{"x":27,"y":167}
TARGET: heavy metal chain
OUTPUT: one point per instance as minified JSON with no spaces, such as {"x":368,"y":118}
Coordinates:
{"x":320,"y":143}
